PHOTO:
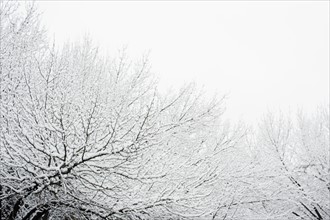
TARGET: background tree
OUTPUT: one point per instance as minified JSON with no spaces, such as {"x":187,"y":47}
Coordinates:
{"x":293,"y":160}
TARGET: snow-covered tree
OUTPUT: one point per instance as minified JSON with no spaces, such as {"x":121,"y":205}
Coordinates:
{"x":87,"y":137}
{"x":293,"y":166}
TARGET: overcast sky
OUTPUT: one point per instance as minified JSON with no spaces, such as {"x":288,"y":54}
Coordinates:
{"x":266,"y":54}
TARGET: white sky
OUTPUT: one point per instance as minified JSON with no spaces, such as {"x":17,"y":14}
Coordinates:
{"x":266,"y":54}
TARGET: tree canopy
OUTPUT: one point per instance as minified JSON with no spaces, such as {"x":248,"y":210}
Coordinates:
{"x":88,"y":137}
